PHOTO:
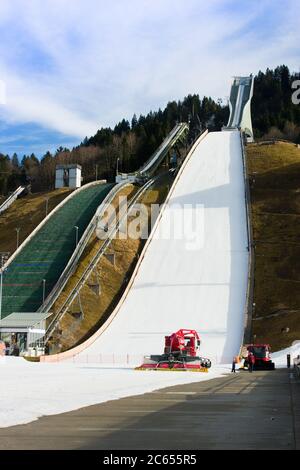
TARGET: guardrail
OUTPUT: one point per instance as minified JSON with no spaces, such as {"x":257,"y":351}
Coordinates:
{"x":75,"y":291}
{"x":5,"y":205}
{"x":129,"y":360}
{"x":71,"y":266}
{"x":251,"y":263}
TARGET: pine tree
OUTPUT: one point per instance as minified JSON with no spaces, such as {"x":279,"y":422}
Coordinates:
{"x":15,"y":161}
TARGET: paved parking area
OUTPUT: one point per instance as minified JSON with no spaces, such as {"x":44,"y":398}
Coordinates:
{"x":242,"y":411}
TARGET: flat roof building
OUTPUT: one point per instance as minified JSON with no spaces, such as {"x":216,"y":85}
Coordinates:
{"x":68,"y":176}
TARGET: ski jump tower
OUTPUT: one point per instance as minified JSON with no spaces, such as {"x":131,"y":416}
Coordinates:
{"x":240,"y":106}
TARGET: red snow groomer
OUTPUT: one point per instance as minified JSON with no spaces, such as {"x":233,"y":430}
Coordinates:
{"x":180,"y":353}
{"x":262,"y":356}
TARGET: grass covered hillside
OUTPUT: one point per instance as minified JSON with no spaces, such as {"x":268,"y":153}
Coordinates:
{"x":26,"y":213}
{"x":274,"y":171}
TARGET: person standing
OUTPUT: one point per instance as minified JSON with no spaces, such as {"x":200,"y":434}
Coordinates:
{"x":233,"y":364}
{"x":251,"y":361}
{"x":2,"y":348}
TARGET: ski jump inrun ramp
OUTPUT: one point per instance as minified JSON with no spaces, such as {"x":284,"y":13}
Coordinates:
{"x":178,"y":285}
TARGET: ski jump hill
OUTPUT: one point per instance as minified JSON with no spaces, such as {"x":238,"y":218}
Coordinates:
{"x":197,"y":280}
{"x":194,"y":269}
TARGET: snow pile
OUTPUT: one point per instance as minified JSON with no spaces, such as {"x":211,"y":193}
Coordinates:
{"x":280,"y":357}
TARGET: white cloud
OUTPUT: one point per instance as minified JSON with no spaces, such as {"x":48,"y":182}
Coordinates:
{"x":75,"y":66}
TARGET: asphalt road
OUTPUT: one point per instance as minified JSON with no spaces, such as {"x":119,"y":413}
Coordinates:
{"x":242,"y":411}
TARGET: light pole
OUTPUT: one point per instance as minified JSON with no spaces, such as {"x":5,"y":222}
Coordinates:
{"x":76,"y":228}
{"x":18,"y":231}
{"x":96,"y":172}
{"x":47,"y":204}
{"x":44,"y":289}
{"x":118,"y":165}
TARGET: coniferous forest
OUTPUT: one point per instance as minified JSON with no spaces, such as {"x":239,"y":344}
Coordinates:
{"x":273,"y":113}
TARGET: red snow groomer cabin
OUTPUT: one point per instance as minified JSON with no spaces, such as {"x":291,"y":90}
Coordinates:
{"x":262,"y":356}
{"x":180,"y":353}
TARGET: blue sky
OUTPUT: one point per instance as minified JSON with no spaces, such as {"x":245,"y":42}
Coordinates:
{"x":71,"y":67}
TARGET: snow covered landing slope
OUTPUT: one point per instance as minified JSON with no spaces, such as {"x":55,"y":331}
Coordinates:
{"x":197,"y":280}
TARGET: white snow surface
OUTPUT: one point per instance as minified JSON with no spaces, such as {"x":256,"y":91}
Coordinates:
{"x":184,"y":285}
{"x":31,"y":390}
